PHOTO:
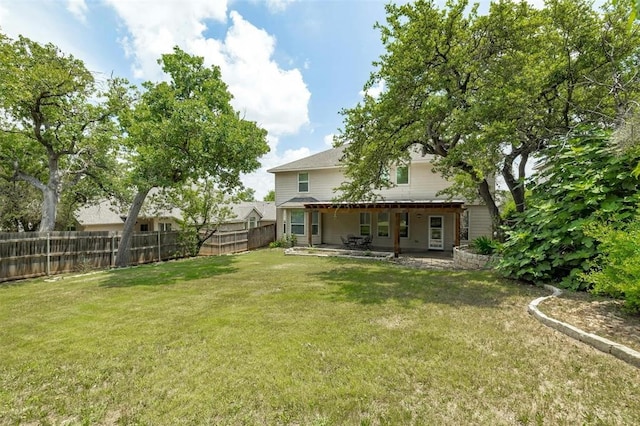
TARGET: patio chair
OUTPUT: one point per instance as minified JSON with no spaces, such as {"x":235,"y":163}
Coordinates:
{"x":366,"y":242}
{"x":346,"y":241}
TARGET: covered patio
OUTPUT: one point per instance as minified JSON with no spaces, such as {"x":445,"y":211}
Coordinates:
{"x":430,"y":209}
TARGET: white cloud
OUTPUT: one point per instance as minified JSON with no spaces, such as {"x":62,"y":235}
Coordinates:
{"x":328,"y":140}
{"x":79,"y":9}
{"x":158,"y":26}
{"x":277,"y":99}
{"x":374,"y":91}
{"x":278,"y":5}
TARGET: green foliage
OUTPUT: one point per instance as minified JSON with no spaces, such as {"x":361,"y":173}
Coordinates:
{"x":485,"y":245}
{"x":584,"y":181}
{"x":483,"y":93}
{"x":183,"y":130}
{"x":617,"y":269}
{"x":203,"y":209}
{"x":271,"y":196}
{"x":56,"y":126}
{"x":289,"y":240}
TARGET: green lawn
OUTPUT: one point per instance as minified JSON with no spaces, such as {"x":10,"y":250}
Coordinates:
{"x":261,"y":338}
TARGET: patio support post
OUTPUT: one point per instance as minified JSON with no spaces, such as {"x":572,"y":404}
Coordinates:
{"x":396,"y":235}
{"x":309,"y":225}
{"x":456,"y":236}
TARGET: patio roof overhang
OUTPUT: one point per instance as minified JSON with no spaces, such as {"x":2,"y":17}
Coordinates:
{"x":439,"y":206}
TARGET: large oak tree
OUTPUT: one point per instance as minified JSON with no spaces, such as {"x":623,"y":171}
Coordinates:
{"x":56,"y":125}
{"x":485,"y":93}
{"x":182,"y":130}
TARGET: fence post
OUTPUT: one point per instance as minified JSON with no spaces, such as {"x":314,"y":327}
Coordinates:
{"x":159,"y":249}
{"x":48,"y":253}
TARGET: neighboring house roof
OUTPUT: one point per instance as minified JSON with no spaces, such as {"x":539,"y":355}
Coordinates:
{"x":103,"y":213}
{"x":331,"y":159}
{"x":107,"y":213}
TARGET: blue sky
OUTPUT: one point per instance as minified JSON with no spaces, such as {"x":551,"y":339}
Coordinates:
{"x":291,"y":65}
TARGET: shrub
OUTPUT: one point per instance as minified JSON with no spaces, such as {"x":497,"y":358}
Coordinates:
{"x":485,"y":245}
{"x":617,"y":272}
{"x":583,"y":182}
{"x":284,"y":242}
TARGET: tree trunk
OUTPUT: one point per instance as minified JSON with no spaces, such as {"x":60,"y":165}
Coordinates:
{"x":123,"y":257}
{"x":485,"y":193}
{"x":516,"y":186}
{"x":49,"y":209}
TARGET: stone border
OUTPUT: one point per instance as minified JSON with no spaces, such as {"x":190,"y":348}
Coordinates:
{"x":336,"y":252}
{"x":463,"y":258}
{"x":621,"y":352}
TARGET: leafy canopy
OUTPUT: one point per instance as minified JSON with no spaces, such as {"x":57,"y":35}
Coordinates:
{"x":484,"y":93}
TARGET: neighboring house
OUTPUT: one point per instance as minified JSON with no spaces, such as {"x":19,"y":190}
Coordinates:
{"x":105,"y":216}
{"x":250,"y":214}
{"x":408,"y":217}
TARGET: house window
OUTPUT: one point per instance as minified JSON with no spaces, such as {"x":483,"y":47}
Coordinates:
{"x":252,"y":222}
{"x":297,"y":222}
{"x":402,"y":175}
{"x":383,"y":224}
{"x":365,"y":223}
{"x":303,"y":182}
{"x":144,"y":227}
{"x":404,"y":225}
{"x":464,"y":225}
{"x":314,"y":223}
{"x":165,"y":227}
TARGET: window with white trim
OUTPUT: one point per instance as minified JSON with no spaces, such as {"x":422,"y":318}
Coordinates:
{"x":303,"y":182}
{"x":383,"y":224}
{"x":404,"y":225}
{"x":464,"y":225}
{"x":314,"y":223}
{"x":402,"y":175}
{"x":365,"y":224}
{"x":297,"y":222}
{"x":252,"y":222}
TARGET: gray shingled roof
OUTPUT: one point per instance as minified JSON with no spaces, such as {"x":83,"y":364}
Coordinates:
{"x":331,"y":158}
{"x":322,"y":160}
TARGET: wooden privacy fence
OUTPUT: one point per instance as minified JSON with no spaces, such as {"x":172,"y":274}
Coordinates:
{"x":33,"y":254}
{"x":237,"y":241}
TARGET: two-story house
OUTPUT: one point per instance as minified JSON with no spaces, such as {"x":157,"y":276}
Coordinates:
{"x":410,"y":216}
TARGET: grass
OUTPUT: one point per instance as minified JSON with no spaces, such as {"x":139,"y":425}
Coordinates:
{"x":262,"y":338}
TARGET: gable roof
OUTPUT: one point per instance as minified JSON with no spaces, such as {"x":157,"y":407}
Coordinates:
{"x":322,"y":160}
{"x":331,"y":159}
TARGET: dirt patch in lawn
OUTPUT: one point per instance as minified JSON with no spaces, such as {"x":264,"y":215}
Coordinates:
{"x":601,"y":316}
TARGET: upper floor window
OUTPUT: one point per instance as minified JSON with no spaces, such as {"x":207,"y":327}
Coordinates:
{"x":402,"y":175}
{"x":252,"y":222}
{"x":165,"y":226}
{"x":303,"y":182}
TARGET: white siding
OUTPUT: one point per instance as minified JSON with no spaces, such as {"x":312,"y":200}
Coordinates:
{"x":479,"y":222}
{"x":423,"y":184}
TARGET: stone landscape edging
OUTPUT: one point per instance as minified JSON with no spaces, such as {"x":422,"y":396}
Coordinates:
{"x":621,"y":352}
